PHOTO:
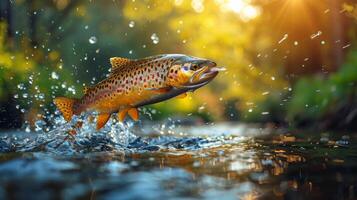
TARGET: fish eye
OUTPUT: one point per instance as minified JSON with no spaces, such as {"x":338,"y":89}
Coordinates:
{"x":194,"y":67}
{"x":185,"y":68}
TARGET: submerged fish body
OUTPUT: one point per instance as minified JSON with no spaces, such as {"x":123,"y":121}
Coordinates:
{"x":135,"y":83}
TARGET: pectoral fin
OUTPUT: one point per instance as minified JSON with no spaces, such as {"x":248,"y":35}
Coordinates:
{"x":134,"y":114}
{"x":122,"y":114}
{"x":102,"y":120}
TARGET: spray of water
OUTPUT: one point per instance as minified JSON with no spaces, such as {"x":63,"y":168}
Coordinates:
{"x":80,"y":136}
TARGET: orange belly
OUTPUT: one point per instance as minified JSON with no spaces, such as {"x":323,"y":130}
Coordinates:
{"x":120,"y":102}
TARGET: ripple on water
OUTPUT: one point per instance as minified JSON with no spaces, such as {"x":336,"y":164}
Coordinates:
{"x":113,"y":162}
{"x":210,"y":163}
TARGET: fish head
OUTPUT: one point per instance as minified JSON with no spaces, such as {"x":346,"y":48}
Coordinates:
{"x":187,"y":71}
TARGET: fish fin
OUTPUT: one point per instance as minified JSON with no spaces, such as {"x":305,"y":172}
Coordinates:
{"x":122,"y":114}
{"x":65,"y":106}
{"x":86,"y":89}
{"x":183,"y":95}
{"x":133,"y":113}
{"x":118,"y":63}
{"x":102,"y":120}
{"x":160,"y":90}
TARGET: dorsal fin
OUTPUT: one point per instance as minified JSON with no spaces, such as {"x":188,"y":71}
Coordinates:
{"x":118,"y":62}
{"x":86,"y":89}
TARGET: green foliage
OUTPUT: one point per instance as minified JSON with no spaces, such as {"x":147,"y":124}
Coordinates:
{"x":316,"y":96}
{"x":13,"y":65}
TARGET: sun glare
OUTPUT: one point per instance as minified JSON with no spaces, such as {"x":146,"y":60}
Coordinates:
{"x":243,"y":8}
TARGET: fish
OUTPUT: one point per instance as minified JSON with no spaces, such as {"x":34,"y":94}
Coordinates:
{"x":133,"y":83}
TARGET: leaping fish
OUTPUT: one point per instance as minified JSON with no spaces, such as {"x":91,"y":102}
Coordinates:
{"x":135,"y":83}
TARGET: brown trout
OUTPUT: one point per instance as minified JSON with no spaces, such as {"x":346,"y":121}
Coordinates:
{"x":135,"y":83}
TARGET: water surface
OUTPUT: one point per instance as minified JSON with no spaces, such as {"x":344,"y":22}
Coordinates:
{"x":224,"y":161}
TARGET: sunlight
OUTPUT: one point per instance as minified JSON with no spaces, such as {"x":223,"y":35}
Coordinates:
{"x":243,"y":8}
{"x":293,"y":12}
{"x":235,"y":6}
{"x":249,"y":12}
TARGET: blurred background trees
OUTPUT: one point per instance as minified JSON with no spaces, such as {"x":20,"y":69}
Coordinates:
{"x":289,"y":61}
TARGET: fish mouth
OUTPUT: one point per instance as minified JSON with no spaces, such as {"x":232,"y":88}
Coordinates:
{"x":207,"y":72}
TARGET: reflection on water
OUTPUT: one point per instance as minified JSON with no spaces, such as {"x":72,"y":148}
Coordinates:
{"x":161,"y":166}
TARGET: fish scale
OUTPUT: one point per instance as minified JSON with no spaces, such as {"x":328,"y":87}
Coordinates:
{"x":132,"y":83}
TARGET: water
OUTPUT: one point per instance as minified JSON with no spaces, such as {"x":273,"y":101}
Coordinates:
{"x":167,"y":161}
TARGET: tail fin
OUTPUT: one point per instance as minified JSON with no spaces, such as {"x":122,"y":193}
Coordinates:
{"x":65,"y":106}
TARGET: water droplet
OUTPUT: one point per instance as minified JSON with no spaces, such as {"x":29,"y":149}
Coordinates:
{"x":86,"y":27}
{"x":131,"y":24}
{"x":21,"y":86}
{"x":27,"y":129}
{"x":72,"y":89}
{"x":131,"y":52}
{"x":41,"y":96}
{"x":284,"y":38}
{"x":346,"y":46}
{"x":313,"y":36}
{"x":154,"y":38}
{"x":201,"y":108}
{"x":93,"y":40}
{"x":54,"y":75}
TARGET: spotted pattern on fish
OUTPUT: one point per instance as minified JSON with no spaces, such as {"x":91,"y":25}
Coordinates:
{"x":135,"y":79}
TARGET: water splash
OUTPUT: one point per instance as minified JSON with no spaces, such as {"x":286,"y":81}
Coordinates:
{"x":69,"y":138}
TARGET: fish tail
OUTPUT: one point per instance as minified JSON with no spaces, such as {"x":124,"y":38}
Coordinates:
{"x":65,"y":106}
